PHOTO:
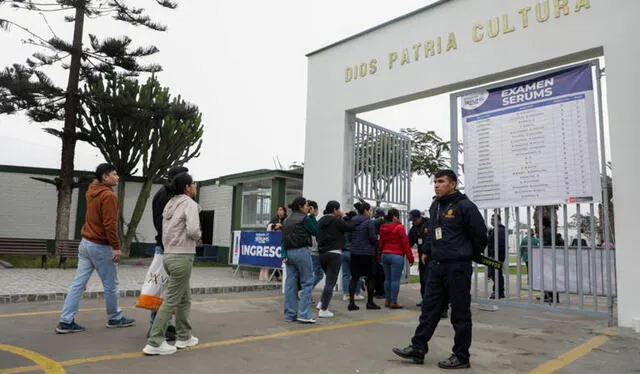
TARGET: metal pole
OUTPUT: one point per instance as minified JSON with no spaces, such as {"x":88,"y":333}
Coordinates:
{"x":554,"y":295}
{"x":507,"y":256}
{"x":592,"y":249}
{"x":566,"y":256}
{"x":605,"y":194}
{"x":519,"y":255}
{"x":580,"y":276}
{"x":529,"y":257}
{"x":453,"y":109}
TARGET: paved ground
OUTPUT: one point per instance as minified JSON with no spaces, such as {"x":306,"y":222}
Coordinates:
{"x":245,"y":333}
{"x":19,"y":285}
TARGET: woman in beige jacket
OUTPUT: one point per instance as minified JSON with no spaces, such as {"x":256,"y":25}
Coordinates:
{"x":180,"y":232}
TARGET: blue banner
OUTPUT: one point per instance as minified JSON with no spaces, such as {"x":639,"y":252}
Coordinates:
{"x":261,"y":249}
{"x":518,"y":95}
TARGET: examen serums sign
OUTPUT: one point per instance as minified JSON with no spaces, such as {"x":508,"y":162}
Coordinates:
{"x":261,"y":249}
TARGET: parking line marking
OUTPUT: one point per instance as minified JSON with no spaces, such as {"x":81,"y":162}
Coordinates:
{"x":31,"y":314}
{"x":43,"y":362}
{"x":573,"y":355}
{"x":123,"y":356}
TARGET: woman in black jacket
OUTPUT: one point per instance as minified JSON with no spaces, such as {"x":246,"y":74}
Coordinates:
{"x":331,"y":230}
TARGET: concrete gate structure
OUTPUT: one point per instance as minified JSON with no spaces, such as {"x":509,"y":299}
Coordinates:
{"x":457,"y":44}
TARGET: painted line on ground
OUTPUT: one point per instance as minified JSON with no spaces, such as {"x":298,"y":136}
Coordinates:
{"x":123,"y":356}
{"x":573,"y":355}
{"x":43,"y":362}
{"x":31,"y":314}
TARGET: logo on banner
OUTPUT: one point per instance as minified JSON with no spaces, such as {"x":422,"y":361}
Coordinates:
{"x":475,"y":100}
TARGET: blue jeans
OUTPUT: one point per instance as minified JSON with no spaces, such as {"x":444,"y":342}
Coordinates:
{"x":346,"y":274}
{"x":393,"y":266}
{"x":99,"y":257}
{"x":299,"y":269}
{"x":318,"y":273}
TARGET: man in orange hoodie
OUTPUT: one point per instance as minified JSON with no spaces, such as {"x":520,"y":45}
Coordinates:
{"x":100,"y":250}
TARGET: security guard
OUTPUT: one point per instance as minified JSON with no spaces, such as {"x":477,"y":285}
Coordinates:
{"x":457,"y":234}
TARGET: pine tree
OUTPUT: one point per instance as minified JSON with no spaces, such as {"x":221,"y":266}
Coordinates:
{"x":27,"y":88}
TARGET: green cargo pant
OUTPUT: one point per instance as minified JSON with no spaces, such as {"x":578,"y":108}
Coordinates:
{"x":178,"y":297}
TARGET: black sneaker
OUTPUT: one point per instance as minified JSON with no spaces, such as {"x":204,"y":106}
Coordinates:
{"x":171,"y":335}
{"x":453,"y":362}
{"x":411,"y":353}
{"x":122,"y":322}
{"x":68,"y":328}
{"x":352,"y":307}
{"x":373,"y":306}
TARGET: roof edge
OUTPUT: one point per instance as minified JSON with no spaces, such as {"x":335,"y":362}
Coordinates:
{"x":374,"y":28}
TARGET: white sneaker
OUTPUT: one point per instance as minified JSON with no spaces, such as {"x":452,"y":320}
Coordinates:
{"x":358,"y":297}
{"x":304,"y":320}
{"x":325,"y":314}
{"x":345,"y":297}
{"x":180,"y":344}
{"x":163,"y":350}
{"x":319,"y":306}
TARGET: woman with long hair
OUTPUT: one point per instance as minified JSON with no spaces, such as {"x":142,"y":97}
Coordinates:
{"x":394,"y":244}
{"x":296,"y":242}
{"x":364,"y":247}
{"x":180,"y":232}
{"x":331,"y":242}
{"x":276,"y":222}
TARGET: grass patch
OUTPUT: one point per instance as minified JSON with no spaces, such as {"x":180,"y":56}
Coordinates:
{"x":414,"y":279}
{"x":513,"y":270}
{"x":33,"y":262}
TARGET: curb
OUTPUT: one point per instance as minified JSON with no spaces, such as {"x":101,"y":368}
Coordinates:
{"x":60,"y":296}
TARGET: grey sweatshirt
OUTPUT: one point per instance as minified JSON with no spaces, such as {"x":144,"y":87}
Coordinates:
{"x":181,"y":225}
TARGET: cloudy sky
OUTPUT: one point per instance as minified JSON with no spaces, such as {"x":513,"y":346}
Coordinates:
{"x":243,"y":63}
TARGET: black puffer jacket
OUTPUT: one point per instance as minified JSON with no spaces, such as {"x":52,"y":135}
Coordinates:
{"x":464,"y":233}
{"x":331,"y":231}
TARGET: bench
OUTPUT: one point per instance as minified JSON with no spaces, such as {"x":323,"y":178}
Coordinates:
{"x":64,"y":249}
{"x":25,"y":247}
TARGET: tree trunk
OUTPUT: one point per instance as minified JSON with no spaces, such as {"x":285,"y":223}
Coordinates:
{"x":136,"y":216}
{"x":69,"y":130}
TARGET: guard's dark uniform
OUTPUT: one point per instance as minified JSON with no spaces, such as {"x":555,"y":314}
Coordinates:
{"x":457,"y":232}
{"x":419,"y":235}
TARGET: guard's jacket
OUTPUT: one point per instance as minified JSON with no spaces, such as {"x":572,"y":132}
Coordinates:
{"x":462,"y":228}
{"x":419,"y":235}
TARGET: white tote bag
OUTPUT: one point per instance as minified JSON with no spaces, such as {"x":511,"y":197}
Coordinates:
{"x":154,"y":284}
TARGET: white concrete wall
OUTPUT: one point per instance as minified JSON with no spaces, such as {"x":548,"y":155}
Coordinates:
{"x":606,"y":24}
{"x":28,"y":208}
{"x":220,"y":200}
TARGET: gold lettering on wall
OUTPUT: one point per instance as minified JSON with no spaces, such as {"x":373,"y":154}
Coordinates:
{"x":493,"y":27}
{"x":393,"y":57}
{"x":582,"y":4}
{"x":539,"y":16}
{"x":429,"y":48}
{"x":416,"y":51}
{"x":506,"y":28}
{"x":561,"y":5}
{"x":525,"y":16}
{"x":405,"y":57}
{"x":452,"y":43}
{"x":476,"y":32}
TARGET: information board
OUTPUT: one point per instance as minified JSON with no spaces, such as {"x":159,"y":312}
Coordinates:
{"x":533,"y":142}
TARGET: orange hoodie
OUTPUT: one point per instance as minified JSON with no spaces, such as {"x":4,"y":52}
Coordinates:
{"x":101,"y":221}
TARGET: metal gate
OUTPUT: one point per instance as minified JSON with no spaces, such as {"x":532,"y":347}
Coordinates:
{"x":558,"y":257}
{"x":381,"y":166}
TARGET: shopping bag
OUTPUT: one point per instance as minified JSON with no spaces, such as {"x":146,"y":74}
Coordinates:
{"x":154,"y":285}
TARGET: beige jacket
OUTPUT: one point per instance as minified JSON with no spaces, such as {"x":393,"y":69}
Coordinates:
{"x":181,"y":225}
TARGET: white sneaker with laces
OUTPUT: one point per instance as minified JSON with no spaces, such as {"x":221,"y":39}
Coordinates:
{"x":325,"y":314}
{"x":345,"y":297}
{"x":180,"y":344}
{"x":358,"y":297}
{"x":304,"y":320}
{"x":319,"y":305}
{"x":163,"y":350}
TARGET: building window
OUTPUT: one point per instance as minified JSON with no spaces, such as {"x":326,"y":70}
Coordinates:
{"x":256,"y":204}
{"x":294,"y":189}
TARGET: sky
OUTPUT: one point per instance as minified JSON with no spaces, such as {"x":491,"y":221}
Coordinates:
{"x":243,"y":63}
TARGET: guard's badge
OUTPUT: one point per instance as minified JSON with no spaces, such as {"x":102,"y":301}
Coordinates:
{"x":449,"y":214}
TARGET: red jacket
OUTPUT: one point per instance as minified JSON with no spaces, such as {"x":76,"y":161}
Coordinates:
{"x":394,"y":240}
